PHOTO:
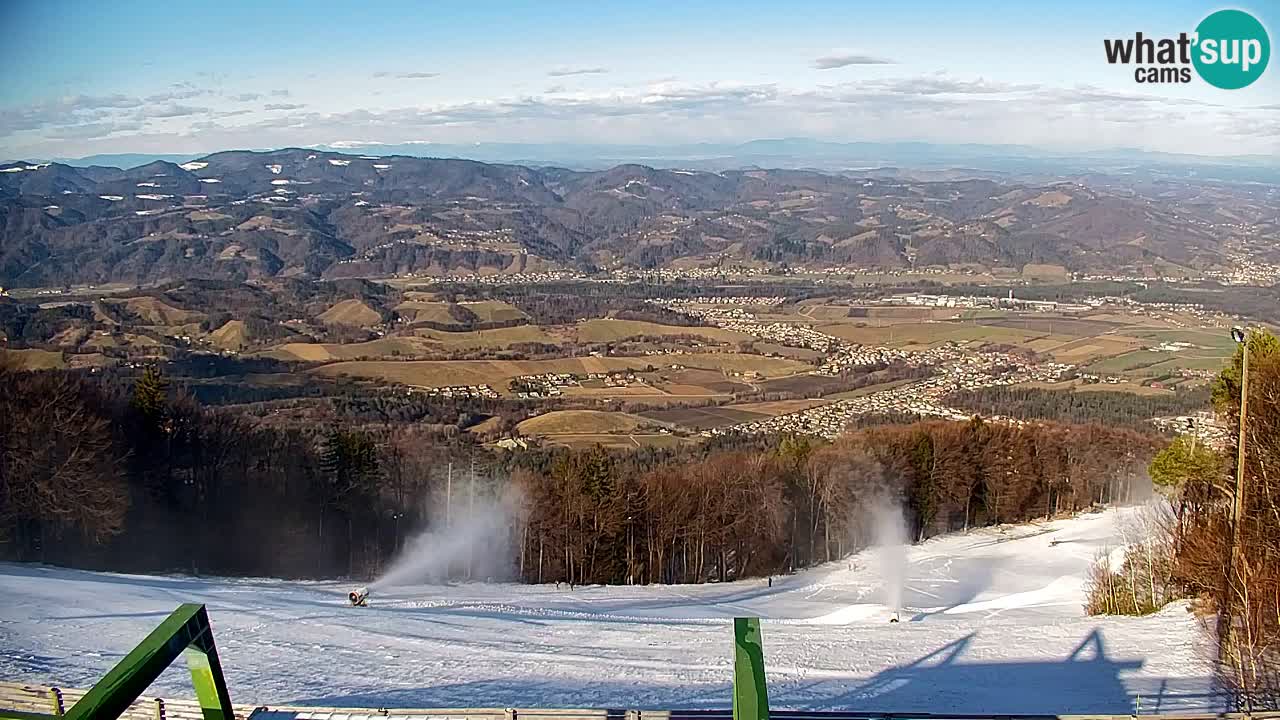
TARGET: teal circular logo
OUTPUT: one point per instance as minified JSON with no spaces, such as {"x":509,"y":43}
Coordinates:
{"x":1232,"y":49}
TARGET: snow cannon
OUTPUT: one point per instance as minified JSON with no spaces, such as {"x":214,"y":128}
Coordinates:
{"x":359,"y":597}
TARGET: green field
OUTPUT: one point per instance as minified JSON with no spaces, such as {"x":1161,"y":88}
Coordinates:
{"x":1217,"y":343}
{"x":1151,"y":363}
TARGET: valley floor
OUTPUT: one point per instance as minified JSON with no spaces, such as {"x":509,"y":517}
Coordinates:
{"x":992,"y":622}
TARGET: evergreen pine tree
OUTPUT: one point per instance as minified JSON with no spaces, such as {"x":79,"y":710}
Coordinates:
{"x":150,"y":396}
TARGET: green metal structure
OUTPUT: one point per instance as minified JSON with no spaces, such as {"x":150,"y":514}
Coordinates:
{"x":185,"y":631}
{"x":750,"y":696}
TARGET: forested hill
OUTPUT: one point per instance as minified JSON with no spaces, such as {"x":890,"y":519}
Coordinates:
{"x":1123,"y":409}
{"x":308,"y":213}
{"x":102,"y":474}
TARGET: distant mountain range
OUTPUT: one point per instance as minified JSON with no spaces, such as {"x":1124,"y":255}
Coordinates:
{"x":800,"y":153}
{"x":315,"y":213}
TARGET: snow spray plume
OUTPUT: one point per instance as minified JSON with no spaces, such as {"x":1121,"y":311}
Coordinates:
{"x":890,"y":548}
{"x":475,"y":544}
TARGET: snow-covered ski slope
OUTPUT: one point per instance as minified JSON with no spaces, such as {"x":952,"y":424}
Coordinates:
{"x":992,"y":622}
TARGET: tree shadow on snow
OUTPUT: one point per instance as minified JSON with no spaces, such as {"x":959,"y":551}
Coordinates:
{"x":1086,"y":681}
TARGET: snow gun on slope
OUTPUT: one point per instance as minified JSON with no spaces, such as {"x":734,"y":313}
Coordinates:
{"x":359,"y":597}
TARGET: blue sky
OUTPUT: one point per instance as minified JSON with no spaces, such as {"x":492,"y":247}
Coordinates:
{"x":140,"y":76}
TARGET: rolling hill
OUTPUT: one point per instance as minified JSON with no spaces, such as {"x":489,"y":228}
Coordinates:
{"x":241,"y":215}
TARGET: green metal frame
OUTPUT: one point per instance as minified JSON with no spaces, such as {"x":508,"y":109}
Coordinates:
{"x":185,"y":632}
{"x":750,"y":695}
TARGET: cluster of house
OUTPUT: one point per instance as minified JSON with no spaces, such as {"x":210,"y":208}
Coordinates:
{"x":978,"y":301}
{"x":1247,"y":270}
{"x":957,"y":369}
{"x":528,"y":387}
{"x":456,"y":391}
{"x":1094,"y":378}
{"x":1202,"y":426}
{"x":464,"y":239}
{"x":841,"y":355}
{"x":729,"y":314}
{"x":722,"y":272}
{"x":520,"y":278}
{"x":1162,"y":310}
{"x":614,"y":379}
{"x":733,"y":300}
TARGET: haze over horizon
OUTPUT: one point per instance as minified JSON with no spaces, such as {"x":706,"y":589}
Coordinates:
{"x":85,"y":79}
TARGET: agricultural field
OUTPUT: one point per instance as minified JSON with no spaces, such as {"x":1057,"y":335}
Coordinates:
{"x":424,"y":342}
{"x":33,"y":359}
{"x":351,"y":312}
{"x":415,"y":309}
{"x":929,"y":334}
{"x":494,"y":311}
{"x":232,"y":335}
{"x":1134,"y":388}
{"x":585,"y":428}
{"x":418,"y":311}
{"x":1154,"y":363}
{"x":579,"y":422}
{"x":612,"y":330}
{"x":1092,"y":348}
{"x":150,"y":311}
{"x":704,"y":418}
{"x":497,"y":373}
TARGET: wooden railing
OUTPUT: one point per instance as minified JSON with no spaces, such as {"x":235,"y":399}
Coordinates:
{"x":54,"y":700}
{"x":57,"y":701}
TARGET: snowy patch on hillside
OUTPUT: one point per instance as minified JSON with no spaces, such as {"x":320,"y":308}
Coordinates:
{"x":210,"y":180}
{"x":279,"y":182}
{"x":112,"y":198}
{"x":340,"y":163}
{"x":147,"y":184}
{"x":991,"y":622}
{"x":193,"y":165}
{"x":275,"y":169}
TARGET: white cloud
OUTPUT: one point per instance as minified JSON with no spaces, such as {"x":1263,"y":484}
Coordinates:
{"x":565,"y":72}
{"x":934,"y":107}
{"x":407,"y":75}
{"x":173,"y":111}
{"x":831,"y":62}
